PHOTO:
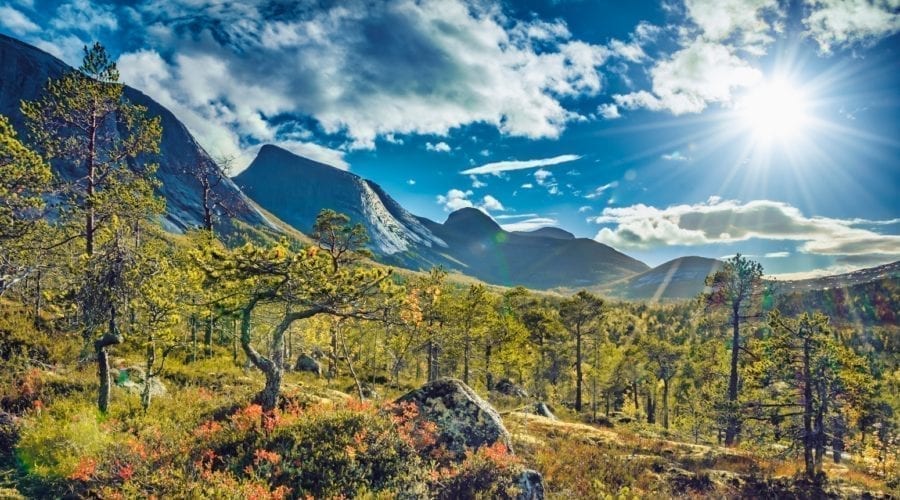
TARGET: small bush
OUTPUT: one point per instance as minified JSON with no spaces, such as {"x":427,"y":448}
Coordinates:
{"x":65,"y":442}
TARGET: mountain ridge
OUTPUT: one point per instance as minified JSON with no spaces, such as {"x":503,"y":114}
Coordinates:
{"x":294,"y":189}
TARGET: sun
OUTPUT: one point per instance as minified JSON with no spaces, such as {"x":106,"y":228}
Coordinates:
{"x":774,"y":110}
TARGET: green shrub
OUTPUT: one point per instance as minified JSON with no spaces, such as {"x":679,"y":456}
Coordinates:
{"x":323,"y":451}
{"x":63,"y":442}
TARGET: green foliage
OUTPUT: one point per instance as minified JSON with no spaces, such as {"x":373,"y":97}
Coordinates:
{"x":65,"y":441}
{"x":362,"y":449}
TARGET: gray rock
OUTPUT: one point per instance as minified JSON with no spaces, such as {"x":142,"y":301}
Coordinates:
{"x":543,"y":410}
{"x":306,"y":363}
{"x":133,"y":378}
{"x":531,"y":485}
{"x":463,"y":419}
{"x":510,"y":388}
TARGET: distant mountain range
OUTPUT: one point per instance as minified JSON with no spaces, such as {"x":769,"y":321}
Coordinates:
{"x":24,"y":70}
{"x":294,"y":189}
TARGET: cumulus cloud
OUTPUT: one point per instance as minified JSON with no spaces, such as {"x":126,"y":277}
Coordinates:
{"x":692,"y":78}
{"x":717,"y":221}
{"x":609,"y":111}
{"x":530,"y":224}
{"x":16,"y":21}
{"x":505,"y":166}
{"x":368,"y":70}
{"x":222,"y":129}
{"x":85,"y":16}
{"x":441,"y":147}
{"x":746,"y":20}
{"x":541,"y":176}
{"x":456,"y":199}
{"x":849,"y":22}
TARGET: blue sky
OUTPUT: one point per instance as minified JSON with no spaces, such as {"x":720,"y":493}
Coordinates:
{"x":662,"y":128}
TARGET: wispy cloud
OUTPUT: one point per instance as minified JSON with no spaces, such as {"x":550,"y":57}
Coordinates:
{"x":674,"y":156}
{"x":509,"y":165}
{"x":530,"y":224}
{"x":602,"y":189}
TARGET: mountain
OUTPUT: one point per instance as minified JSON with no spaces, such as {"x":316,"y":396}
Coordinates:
{"x":549,"y":232}
{"x":676,"y":279}
{"x":295,"y":189}
{"x":24,"y":71}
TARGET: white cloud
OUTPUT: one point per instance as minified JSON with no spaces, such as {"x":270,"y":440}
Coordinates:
{"x":315,"y":152}
{"x":514,"y":216}
{"x":849,"y":22}
{"x":220,"y":128}
{"x":491,"y":203}
{"x":674,"y":156}
{"x":609,"y":111}
{"x":505,"y":166}
{"x":476,"y":182}
{"x":777,"y":255}
{"x":720,"y":20}
{"x":530,"y":224}
{"x":16,"y":21}
{"x":601,"y":189}
{"x":632,"y":51}
{"x":692,"y":78}
{"x":584,"y":209}
{"x":456,"y":199}
{"x":441,"y":147}
{"x":527,"y":185}
{"x":717,"y":221}
{"x":85,"y":16}
{"x":411,"y":182}
{"x":366,"y":70}
{"x":541,"y":176}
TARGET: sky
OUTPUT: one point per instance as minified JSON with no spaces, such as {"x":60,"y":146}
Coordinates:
{"x":661,"y":128}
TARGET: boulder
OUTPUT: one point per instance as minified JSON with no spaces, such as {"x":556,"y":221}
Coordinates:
{"x":307,"y":363}
{"x":543,"y":410}
{"x":133,"y":378}
{"x":531,"y":485}
{"x":463,"y":419}
{"x":510,"y":388}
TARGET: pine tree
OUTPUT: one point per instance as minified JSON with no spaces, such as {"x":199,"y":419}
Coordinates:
{"x":102,"y":142}
{"x":580,"y":314}
{"x":737,"y":288}
{"x":24,"y":178}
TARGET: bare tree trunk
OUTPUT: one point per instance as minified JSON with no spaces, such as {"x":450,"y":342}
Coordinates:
{"x":466,"y":359}
{"x":151,"y":360}
{"x":113,"y":337}
{"x":666,"y":403}
{"x":578,"y":374}
{"x":488,"y":376}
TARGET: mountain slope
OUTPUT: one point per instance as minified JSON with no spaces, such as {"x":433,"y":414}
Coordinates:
{"x":676,"y":279}
{"x":24,"y":71}
{"x":295,"y":189}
